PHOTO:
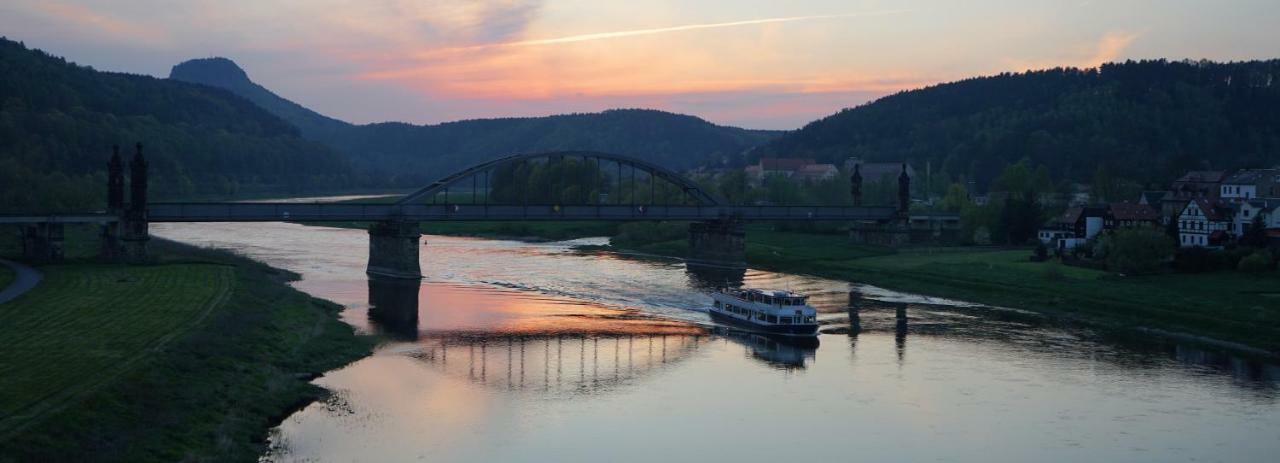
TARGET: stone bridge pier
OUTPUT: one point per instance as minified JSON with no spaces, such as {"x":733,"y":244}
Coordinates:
{"x":393,"y":250}
{"x":718,"y":243}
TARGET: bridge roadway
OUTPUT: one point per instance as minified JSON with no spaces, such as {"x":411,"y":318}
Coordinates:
{"x":356,"y":212}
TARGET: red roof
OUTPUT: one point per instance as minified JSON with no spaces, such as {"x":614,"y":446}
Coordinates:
{"x":1131,"y":211}
{"x":1213,"y":209}
{"x":784,"y":163}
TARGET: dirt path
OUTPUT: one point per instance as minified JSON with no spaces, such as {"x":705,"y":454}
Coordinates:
{"x":25,"y":278}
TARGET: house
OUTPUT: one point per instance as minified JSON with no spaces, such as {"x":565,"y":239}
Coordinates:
{"x":1074,"y":227}
{"x":1164,"y":203}
{"x":817,"y":172}
{"x":1205,"y":222}
{"x":1130,"y":215}
{"x":786,"y":167}
{"x":1199,"y":184}
{"x":1250,"y":184}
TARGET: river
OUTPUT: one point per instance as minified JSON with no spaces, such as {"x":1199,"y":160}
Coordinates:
{"x":514,"y":351}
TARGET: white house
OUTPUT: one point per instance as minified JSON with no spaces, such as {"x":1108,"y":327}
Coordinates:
{"x":1250,"y":184}
{"x":1205,"y":222}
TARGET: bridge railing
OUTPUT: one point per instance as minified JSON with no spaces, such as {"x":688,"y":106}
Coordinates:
{"x":345,"y":212}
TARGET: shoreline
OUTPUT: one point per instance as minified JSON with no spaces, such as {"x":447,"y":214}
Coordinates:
{"x":230,"y":376}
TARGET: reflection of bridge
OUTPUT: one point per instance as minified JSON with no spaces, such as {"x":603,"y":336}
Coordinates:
{"x":543,"y":186}
{"x":567,"y":363}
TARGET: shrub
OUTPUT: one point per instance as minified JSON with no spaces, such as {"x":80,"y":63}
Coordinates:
{"x":1041,"y":252}
{"x":1137,"y":251}
{"x":1198,"y":260}
{"x":1258,"y":262}
{"x":640,"y":233}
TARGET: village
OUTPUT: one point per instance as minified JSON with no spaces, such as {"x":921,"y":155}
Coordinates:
{"x":1208,"y":210}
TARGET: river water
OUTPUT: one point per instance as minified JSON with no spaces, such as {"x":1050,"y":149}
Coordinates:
{"x":512,"y":351}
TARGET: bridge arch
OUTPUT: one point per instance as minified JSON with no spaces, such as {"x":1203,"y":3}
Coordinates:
{"x":653,"y":171}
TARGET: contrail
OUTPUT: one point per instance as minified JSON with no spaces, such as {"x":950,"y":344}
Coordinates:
{"x":661,"y":30}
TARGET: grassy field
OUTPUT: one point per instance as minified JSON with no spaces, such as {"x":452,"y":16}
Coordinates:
{"x":1225,"y":305}
{"x":192,"y":358}
{"x":85,"y":325}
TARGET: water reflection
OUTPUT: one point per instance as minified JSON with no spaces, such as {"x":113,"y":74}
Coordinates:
{"x":557,"y":365}
{"x":706,"y":278}
{"x":505,"y":331}
{"x":779,"y":352}
{"x":393,"y":307}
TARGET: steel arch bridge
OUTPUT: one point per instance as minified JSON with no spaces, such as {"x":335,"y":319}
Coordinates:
{"x":651,"y":170}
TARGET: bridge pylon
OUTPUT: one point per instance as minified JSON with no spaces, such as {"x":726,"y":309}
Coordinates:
{"x":720,"y":243}
{"x":394,"y":249}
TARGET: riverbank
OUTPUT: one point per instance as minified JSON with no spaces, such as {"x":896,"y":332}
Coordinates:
{"x":193,"y":357}
{"x":1221,"y":309}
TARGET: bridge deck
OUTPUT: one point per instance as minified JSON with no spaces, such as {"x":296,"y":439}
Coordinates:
{"x":356,"y":212}
{"x":88,"y":217}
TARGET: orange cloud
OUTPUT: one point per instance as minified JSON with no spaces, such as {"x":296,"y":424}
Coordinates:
{"x":1108,"y":48}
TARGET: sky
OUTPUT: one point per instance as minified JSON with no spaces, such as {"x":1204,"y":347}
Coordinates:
{"x":757,"y":64}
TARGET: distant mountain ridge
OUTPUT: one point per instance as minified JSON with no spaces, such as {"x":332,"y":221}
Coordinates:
{"x":417,"y":153}
{"x":1146,"y":121}
{"x":58,"y":121}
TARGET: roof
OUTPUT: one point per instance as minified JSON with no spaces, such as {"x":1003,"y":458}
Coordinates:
{"x":1203,"y":176}
{"x":819,"y":168}
{"x":1132,"y":211}
{"x":1152,"y":197}
{"x":1214,"y":210}
{"x":1070,"y":216}
{"x":1251,"y":176}
{"x":784,"y":163}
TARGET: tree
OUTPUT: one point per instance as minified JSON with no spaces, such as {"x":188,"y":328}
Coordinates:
{"x":1258,"y":262}
{"x":956,"y":198}
{"x":1137,"y":251}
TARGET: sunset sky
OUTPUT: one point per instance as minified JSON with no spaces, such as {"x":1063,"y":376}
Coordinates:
{"x":759,"y":64}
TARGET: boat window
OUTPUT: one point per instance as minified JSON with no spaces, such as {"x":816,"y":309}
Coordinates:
{"x":759,"y":315}
{"x":772,"y":319}
{"x":717,"y":304}
{"x":808,"y":319}
{"x":785,"y":320}
{"x":768,"y":300}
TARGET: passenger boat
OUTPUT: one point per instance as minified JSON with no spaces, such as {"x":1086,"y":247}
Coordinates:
{"x":781,"y":313}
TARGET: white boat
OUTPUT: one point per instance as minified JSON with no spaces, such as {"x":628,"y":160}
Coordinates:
{"x":782,"y":313}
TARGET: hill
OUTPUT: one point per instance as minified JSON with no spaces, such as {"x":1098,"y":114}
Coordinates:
{"x":1147,"y":121}
{"x":417,"y":153}
{"x":58,"y":122}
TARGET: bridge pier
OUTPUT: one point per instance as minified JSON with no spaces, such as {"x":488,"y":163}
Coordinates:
{"x":393,"y":306}
{"x":43,"y":242}
{"x":393,"y":250}
{"x":718,"y":243}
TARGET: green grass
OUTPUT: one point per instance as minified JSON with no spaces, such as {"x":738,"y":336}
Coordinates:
{"x":1226,"y":305}
{"x":87,"y":324}
{"x":117,"y":363}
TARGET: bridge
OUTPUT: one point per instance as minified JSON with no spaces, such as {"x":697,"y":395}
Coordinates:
{"x":552,"y":186}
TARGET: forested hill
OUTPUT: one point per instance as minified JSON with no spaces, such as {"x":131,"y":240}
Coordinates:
{"x":1147,"y":121}
{"x":59,"y":120}
{"x":416,"y":153}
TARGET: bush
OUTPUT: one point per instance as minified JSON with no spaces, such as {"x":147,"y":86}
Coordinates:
{"x":1137,"y":251}
{"x":1041,"y":252}
{"x":1198,"y":260}
{"x":1258,"y":262}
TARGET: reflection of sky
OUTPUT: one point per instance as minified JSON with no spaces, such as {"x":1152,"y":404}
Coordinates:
{"x":753,"y":63}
